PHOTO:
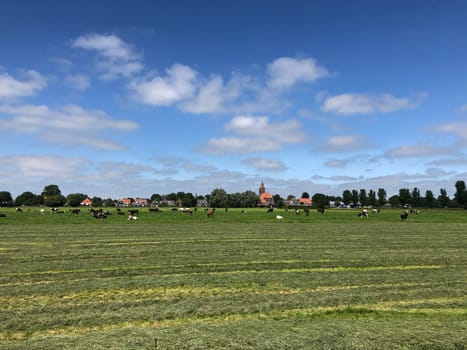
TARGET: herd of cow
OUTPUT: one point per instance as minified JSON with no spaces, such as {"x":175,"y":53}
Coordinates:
{"x":132,"y":214}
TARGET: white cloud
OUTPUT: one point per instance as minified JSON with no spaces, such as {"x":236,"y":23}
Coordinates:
{"x":457,"y":128}
{"x":71,"y":125}
{"x":31,"y":166}
{"x":344,"y":143}
{"x":256,"y":134}
{"x":210,"y":98}
{"x":78,"y":82}
{"x":240,"y":145}
{"x":285,"y":72}
{"x":288,"y":131}
{"x":116,"y":57}
{"x":263,"y":164}
{"x":177,"y":85}
{"x":367,"y":104}
{"x":416,"y":151}
{"x":336,"y":163}
{"x":109,"y":46}
{"x":32,"y":83}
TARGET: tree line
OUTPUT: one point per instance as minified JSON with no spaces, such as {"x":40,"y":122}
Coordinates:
{"x":51,"y":196}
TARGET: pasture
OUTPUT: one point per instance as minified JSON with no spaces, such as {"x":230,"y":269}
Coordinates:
{"x":237,"y":280}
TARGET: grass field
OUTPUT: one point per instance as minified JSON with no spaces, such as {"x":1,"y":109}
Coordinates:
{"x":238,"y":280}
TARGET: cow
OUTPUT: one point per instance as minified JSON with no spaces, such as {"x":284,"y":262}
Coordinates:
{"x":363,"y":213}
{"x":74,"y":211}
{"x":321,"y":210}
{"x":211,"y":212}
{"x":404,"y":215}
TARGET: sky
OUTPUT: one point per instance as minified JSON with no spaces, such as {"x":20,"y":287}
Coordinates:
{"x":131,"y":98}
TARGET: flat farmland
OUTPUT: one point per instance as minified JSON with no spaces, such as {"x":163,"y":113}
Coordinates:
{"x":238,"y":280}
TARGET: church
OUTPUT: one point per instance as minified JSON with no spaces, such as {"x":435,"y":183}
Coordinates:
{"x":265,"y":198}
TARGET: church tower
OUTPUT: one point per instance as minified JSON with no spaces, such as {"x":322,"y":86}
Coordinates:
{"x":262,"y":189}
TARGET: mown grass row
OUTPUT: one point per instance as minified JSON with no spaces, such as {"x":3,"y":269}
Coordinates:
{"x":234,"y":286}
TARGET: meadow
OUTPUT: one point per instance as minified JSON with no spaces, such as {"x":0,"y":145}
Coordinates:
{"x":238,"y":280}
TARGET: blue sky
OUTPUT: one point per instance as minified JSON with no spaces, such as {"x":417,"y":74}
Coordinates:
{"x":131,"y":98}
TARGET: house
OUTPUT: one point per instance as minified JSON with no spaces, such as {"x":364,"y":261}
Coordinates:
{"x":87,"y":202}
{"x":305,"y":202}
{"x":265,"y":198}
{"x":125,"y":202}
{"x":141,"y":202}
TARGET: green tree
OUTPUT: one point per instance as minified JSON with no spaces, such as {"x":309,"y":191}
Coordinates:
{"x":347,"y":197}
{"x":156,"y":197}
{"x":6,"y":199}
{"x":75,"y":199}
{"x":404,"y":196}
{"x":363,"y":197}
{"x":443,"y":198}
{"x":51,"y":190}
{"x":188,"y":200}
{"x":218,"y":198}
{"x":320,"y":200}
{"x":372,"y":198}
{"x":461,"y":193}
{"x":305,"y":195}
{"x":381,"y":196}
{"x":355,"y":197}
{"x":97,"y":202}
{"x":394,"y":201}
{"x":430,"y":200}
{"x":250,"y":199}
{"x":53,"y":196}
{"x":416,"y":197}
{"x":278,"y":201}
{"x":109,"y":202}
{"x":28,"y":198}
{"x":54,"y":200}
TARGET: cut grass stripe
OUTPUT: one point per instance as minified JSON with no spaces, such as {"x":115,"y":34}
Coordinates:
{"x":167,"y":293}
{"x":381,"y":308}
{"x":292,"y":270}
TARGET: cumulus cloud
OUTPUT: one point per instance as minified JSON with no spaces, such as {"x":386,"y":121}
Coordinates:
{"x":30,"y":166}
{"x":285,"y":72}
{"x":344,"y":143}
{"x":71,"y":124}
{"x":109,"y":46}
{"x":30,"y":85}
{"x":178,"y":84}
{"x":415,"y":151}
{"x":239,"y":145}
{"x":256,"y":134}
{"x":78,"y":82}
{"x":240,"y":93}
{"x":457,"y":128}
{"x":336,"y":163}
{"x":116,"y":57}
{"x":368,"y":104}
{"x":263,"y":164}
{"x":288,"y":131}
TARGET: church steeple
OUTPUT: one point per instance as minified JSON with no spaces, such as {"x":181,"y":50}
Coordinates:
{"x":262,"y":189}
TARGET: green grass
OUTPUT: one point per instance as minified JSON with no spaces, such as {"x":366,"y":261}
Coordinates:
{"x":236,"y":281}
